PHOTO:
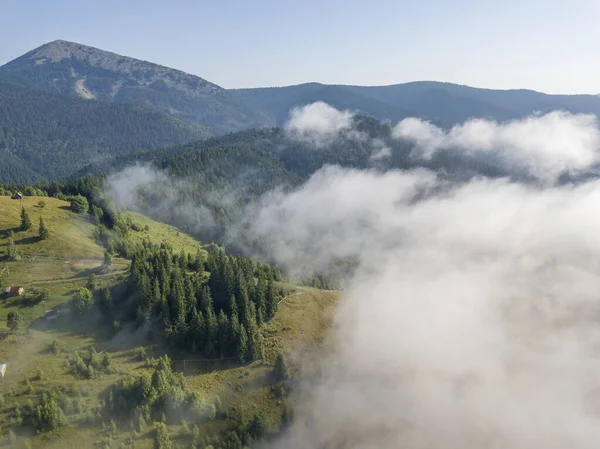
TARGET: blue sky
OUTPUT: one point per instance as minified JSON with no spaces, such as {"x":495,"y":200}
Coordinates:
{"x":550,"y":45}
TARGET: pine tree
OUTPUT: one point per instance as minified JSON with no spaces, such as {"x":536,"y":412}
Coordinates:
{"x":198,"y":329}
{"x":234,"y":335}
{"x":242,"y":346}
{"x":43,"y":230}
{"x":176,"y":300}
{"x":223,"y":334}
{"x":212,"y":330}
{"x":270,"y":302}
{"x":280,"y":370}
{"x":107,"y":259}
{"x":25,"y":221}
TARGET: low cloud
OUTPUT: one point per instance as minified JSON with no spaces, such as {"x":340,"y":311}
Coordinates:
{"x":148,"y":190}
{"x":472,"y":320}
{"x":544,"y":146}
{"x":318,"y":123}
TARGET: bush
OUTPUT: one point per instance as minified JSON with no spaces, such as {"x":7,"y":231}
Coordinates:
{"x":257,"y":428}
{"x":92,"y":284}
{"x":13,"y":320}
{"x":41,"y":204}
{"x":56,"y":347}
{"x":161,"y":436}
{"x":141,"y":354}
{"x":40,"y":294}
{"x":83,"y":300}
{"x":79,"y":204}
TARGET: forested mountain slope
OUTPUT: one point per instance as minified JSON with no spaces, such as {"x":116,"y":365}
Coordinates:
{"x":46,"y":136}
{"x":222,"y":175}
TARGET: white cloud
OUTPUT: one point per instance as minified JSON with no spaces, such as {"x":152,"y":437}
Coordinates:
{"x":545,"y":146}
{"x":318,"y":123}
{"x":471,"y":321}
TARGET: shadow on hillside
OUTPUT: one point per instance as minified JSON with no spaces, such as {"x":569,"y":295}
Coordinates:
{"x":27,"y":302}
{"x":65,"y":208}
{"x":6,"y":232}
{"x":28,"y":240}
{"x":73,"y":325}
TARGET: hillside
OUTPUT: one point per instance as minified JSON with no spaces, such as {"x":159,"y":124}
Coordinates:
{"x":46,"y":136}
{"x":224,"y":174}
{"x":41,"y":355}
{"x":79,"y":71}
{"x":62,"y":263}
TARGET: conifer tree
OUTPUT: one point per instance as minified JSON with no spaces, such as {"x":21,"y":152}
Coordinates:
{"x":198,"y":330}
{"x":280,"y":370}
{"x":270,"y":302}
{"x":43,"y":230}
{"x":107,"y":260}
{"x":25,"y":221}
{"x":223,"y":334}
{"x":176,"y":300}
{"x":242,"y":346}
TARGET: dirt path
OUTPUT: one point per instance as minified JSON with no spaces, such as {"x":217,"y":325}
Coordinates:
{"x":289,"y":296}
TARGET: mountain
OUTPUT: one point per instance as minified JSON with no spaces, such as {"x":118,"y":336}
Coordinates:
{"x":444,"y":103}
{"x":46,"y":136}
{"x":223,"y":174}
{"x":276,"y":102}
{"x":79,"y":71}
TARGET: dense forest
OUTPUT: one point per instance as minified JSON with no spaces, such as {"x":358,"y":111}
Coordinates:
{"x":45,"y":136}
{"x":213,"y":306}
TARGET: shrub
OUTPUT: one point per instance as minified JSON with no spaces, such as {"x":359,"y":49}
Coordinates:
{"x":13,"y":320}
{"x":56,"y":347}
{"x":79,"y":204}
{"x":83,"y":300}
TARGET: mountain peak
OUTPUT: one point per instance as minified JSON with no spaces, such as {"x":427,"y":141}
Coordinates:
{"x":59,"y":50}
{"x":77,"y":70}
{"x":77,"y":64}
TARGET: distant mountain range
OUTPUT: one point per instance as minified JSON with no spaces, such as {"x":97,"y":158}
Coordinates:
{"x":79,"y":104}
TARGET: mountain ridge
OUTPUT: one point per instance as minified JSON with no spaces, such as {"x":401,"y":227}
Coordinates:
{"x":77,"y":70}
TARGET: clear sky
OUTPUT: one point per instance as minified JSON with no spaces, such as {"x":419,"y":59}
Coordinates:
{"x":547,"y":45}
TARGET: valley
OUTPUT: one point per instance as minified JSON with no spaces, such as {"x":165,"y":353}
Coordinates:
{"x":307,"y":266}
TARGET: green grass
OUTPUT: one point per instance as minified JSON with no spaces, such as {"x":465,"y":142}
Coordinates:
{"x":161,"y":232}
{"x":62,"y":263}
